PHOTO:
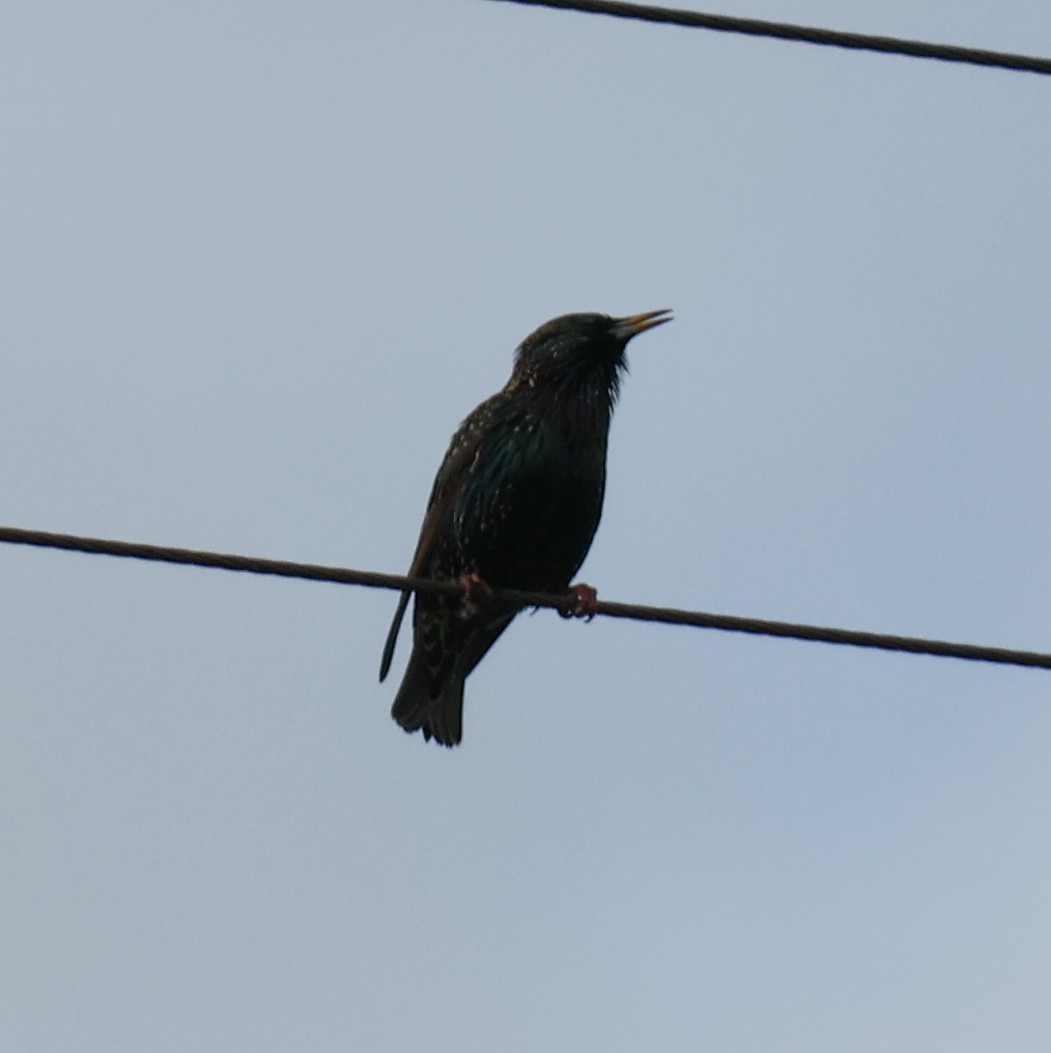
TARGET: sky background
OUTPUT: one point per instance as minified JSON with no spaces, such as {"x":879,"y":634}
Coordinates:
{"x":258,"y":262}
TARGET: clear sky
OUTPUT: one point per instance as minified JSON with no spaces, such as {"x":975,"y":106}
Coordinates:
{"x":258,"y":262}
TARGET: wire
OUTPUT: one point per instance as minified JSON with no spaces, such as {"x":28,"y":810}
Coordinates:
{"x":563,"y":603}
{"x":808,"y":34}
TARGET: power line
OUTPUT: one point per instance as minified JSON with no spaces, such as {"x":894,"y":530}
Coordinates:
{"x":808,"y":34}
{"x":634,"y":612}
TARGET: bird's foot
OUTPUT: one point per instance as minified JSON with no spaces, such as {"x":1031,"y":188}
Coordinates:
{"x":474,"y":587}
{"x":475,"y":590}
{"x":585,"y":602}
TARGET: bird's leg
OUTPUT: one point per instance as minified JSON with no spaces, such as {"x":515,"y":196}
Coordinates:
{"x":585,"y":602}
{"x":475,"y":588}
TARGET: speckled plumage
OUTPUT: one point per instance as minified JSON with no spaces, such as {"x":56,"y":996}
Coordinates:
{"x":516,"y":503}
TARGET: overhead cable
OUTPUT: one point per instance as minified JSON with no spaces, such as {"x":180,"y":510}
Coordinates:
{"x":807,"y":34}
{"x":563,"y":603}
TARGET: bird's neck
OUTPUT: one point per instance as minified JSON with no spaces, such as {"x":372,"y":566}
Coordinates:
{"x":582,"y":400}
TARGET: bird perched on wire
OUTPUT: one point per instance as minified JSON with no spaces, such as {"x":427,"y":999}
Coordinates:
{"x":515,"y":505}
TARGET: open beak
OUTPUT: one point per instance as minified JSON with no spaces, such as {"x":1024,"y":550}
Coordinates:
{"x":626,"y":328}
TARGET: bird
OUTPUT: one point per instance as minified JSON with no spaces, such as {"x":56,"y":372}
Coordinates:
{"x":514,"y":505}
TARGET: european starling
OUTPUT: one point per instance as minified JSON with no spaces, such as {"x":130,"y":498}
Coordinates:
{"x":515,"y":505}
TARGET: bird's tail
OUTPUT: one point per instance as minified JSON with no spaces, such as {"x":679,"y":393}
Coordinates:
{"x":416,"y":709}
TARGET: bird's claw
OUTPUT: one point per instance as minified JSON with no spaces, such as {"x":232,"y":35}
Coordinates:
{"x":476,"y":590}
{"x":474,"y":587}
{"x":585,"y":602}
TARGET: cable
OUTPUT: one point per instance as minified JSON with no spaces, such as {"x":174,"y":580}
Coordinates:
{"x":635,"y":612}
{"x":808,"y":34}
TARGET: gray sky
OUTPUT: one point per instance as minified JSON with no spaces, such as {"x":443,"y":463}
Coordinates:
{"x":259,"y":260}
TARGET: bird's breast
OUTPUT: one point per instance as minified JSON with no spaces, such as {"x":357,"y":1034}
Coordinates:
{"x":532,"y":504}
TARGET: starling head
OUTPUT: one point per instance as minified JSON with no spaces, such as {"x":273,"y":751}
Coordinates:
{"x":580,"y":352}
